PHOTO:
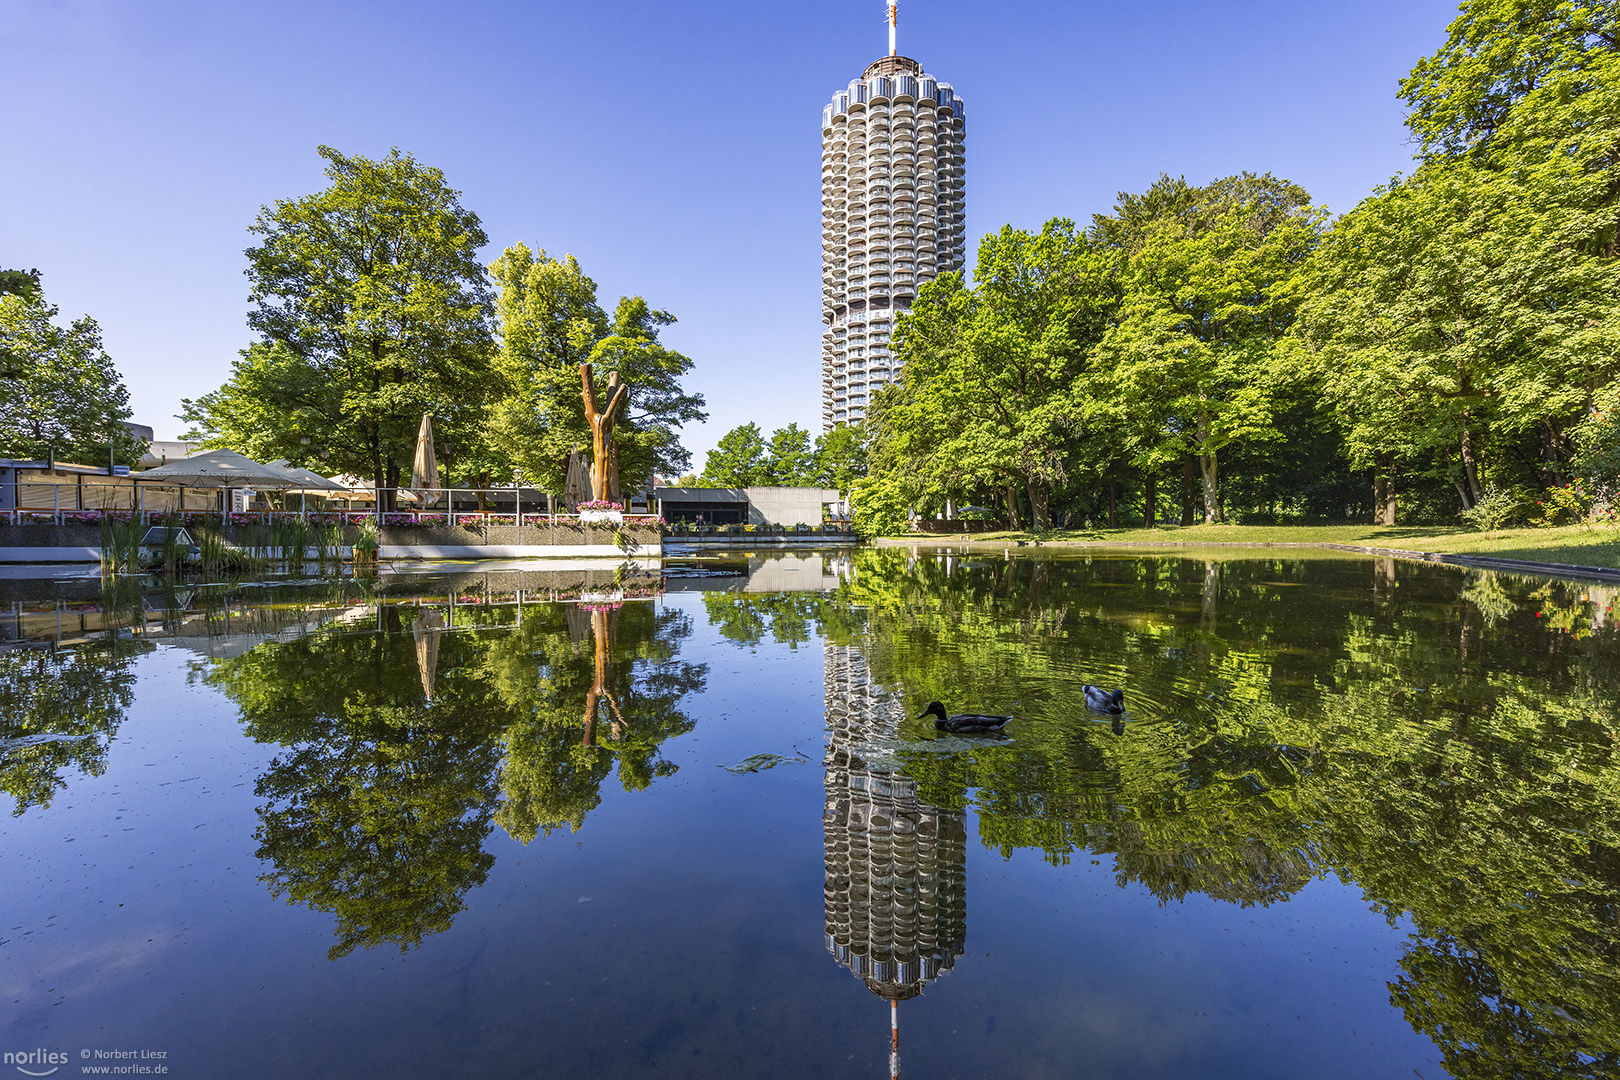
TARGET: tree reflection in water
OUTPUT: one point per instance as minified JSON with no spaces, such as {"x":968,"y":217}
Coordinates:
{"x":379,"y":808}
{"x":60,"y":707}
{"x":567,"y":672}
{"x":1446,"y":742}
{"x":62,"y":700}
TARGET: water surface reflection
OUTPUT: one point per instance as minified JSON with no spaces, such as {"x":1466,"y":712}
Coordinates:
{"x":427,"y":762}
{"x":1444,"y":741}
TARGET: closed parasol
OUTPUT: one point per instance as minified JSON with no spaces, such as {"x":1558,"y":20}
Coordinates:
{"x":425,"y":466}
{"x":574,"y":489}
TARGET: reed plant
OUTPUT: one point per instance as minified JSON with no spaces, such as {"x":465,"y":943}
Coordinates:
{"x":121,"y":544}
{"x":169,"y":553}
{"x":220,"y":556}
{"x":293,"y":540}
{"x":328,"y":544}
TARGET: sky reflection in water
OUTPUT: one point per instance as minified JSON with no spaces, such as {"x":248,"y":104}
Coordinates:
{"x":1359,"y":821}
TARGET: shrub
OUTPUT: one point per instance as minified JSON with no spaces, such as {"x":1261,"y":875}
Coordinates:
{"x":1494,"y":510}
{"x":1563,"y":505}
{"x":1597,"y":440}
{"x":880,"y":509}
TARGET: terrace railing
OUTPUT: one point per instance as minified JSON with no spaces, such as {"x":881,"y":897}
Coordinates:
{"x":89,"y":503}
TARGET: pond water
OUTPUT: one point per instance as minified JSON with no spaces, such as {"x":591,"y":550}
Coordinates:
{"x":1360,"y":819}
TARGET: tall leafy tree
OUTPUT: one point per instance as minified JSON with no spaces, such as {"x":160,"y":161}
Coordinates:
{"x":841,"y":457}
{"x":790,"y":461}
{"x":24,"y":283}
{"x":379,"y":800}
{"x":738,"y":460}
{"x":1498,"y":52}
{"x":588,"y":693}
{"x":986,"y":401}
{"x":59,"y":391}
{"x":372,"y":308}
{"x":549,"y":323}
{"x":1191,"y":364}
{"x":1468,"y":310}
{"x":83,"y":694}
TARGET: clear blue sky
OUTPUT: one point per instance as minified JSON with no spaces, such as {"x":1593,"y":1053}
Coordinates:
{"x":673,"y":147}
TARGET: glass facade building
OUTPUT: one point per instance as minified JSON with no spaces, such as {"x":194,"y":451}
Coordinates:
{"x":892,"y":171}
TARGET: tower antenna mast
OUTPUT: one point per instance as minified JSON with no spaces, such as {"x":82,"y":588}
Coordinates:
{"x":893,"y":18}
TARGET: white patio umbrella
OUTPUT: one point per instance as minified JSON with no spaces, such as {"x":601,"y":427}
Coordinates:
{"x":358,"y":490}
{"x":425,"y":466}
{"x":314,"y":483}
{"x":220,"y":468}
{"x":311,"y":482}
{"x":574,"y":488}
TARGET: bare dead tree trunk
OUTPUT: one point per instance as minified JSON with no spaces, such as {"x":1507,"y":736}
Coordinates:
{"x":601,"y":421}
{"x":593,"y":696}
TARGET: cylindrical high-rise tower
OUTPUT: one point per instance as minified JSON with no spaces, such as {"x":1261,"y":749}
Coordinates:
{"x":891,"y":219}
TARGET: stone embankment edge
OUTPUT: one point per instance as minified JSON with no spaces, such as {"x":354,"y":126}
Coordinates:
{"x":1483,"y":562}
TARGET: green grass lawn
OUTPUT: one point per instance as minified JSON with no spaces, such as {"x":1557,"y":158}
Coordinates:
{"x":1583,"y":545}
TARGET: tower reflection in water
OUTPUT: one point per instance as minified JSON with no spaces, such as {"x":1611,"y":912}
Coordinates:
{"x":896,"y":867}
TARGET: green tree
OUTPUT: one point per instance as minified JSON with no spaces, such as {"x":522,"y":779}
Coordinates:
{"x":1463,"y":312}
{"x":841,"y":457}
{"x":60,"y":708}
{"x":590,"y":691}
{"x":549,"y":323}
{"x":789,"y":460}
{"x":737,"y":460}
{"x":986,"y":400}
{"x":1497,"y":53}
{"x":23,"y":283}
{"x":372,"y":309}
{"x":1191,"y":364}
{"x":59,"y":390}
{"x":1447,"y":747}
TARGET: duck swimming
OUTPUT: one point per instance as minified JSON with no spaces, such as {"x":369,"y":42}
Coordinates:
{"x":1104,"y":701}
{"x":964,"y":723}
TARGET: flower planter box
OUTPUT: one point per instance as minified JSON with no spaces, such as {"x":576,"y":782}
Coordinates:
{"x":614,"y":517}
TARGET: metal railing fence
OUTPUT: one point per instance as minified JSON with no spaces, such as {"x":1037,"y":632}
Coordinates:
{"x":82,"y":503}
